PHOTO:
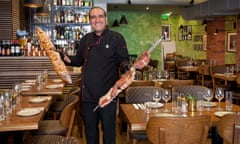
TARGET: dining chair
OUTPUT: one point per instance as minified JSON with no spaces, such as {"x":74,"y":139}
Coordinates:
{"x":190,"y":90}
{"x":204,"y":76}
{"x":225,"y":128}
{"x":175,"y":130}
{"x":169,"y":84}
{"x":50,"y":139}
{"x":139,"y":95}
{"x":236,"y":137}
{"x":64,"y":125}
{"x":218,"y":69}
{"x":58,"y":106}
{"x":122,"y":98}
{"x":182,"y":74}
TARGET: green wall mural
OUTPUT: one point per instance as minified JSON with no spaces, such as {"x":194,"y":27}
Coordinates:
{"x":144,"y":28}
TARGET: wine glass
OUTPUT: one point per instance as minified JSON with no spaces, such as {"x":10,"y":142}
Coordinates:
{"x":219,"y":95}
{"x":159,"y":74}
{"x":166,"y":97}
{"x":208,"y":96}
{"x":156,"y":96}
{"x":166,"y":74}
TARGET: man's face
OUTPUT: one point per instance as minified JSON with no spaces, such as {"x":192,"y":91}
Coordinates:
{"x":98,"y":20}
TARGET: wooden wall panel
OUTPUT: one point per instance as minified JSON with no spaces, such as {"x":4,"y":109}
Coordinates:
{"x":9,"y":18}
{"x":6,"y":19}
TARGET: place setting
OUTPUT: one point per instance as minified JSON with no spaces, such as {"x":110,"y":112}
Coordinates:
{"x":39,"y":99}
{"x":29,"y":111}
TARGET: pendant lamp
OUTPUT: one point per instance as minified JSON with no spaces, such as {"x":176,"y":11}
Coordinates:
{"x":33,"y":3}
{"x":123,"y":20}
{"x":115,"y":24}
{"x":44,"y":10}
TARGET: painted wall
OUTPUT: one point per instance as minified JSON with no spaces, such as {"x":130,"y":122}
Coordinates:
{"x":144,"y":29}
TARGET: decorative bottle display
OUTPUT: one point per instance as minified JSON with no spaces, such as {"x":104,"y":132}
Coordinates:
{"x":10,"y":48}
{"x":66,"y":24}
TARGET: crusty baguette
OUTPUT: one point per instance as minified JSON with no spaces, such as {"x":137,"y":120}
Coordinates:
{"x":54,"y":56}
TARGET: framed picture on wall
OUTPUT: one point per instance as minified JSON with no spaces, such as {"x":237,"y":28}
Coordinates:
{"x":166,"y":32}
{"x":231,"y":42}
{"x":204,"y":40}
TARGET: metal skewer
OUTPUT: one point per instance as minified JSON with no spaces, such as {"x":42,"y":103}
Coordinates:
{"x":155,"y":44}
{"x":95,"y":108}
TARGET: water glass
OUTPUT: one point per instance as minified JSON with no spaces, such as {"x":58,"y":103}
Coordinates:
{"x":200,"y":101}
{"x":8,"y":101}
{"x":175,"y":107}
{"x":45,"y":77}
{"x":172,"y":75}
{"x":39,"y":82}
{"x":147,"y":108}
{"x":228,"y":101}
{"x":2,"y":107}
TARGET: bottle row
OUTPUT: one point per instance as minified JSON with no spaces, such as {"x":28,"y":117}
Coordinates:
{"x":86,"y":3}
{"x":71,"y":16}
{"x":10,"y":48}
{"x":69,"y":33}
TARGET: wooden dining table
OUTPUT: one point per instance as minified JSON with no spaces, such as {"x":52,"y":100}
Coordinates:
{"x":225,"y":77}
{"x":53,"y":87}
{"x":188,"y":68}
{"x":137,"y":118}
{"x":17,"y":122}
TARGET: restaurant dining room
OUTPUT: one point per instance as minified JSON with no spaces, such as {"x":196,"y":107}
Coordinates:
{"x":181,"y":84}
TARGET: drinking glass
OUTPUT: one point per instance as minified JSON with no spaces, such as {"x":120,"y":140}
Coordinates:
{"x":159,"y":74}
{"x":219,"y":95}
{"x":16,"y":91}
{"x":156,"y":96}
{"x":166,"y":74}
{"x":166,"y":97}
{"x":208,"y":96}
{"x":2,"y":107}
{"x":45,"y":76}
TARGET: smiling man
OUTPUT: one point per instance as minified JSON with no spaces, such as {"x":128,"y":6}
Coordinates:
{"x":103,"y":54}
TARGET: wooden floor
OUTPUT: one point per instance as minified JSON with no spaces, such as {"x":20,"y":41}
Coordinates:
{"x":121,"y":139}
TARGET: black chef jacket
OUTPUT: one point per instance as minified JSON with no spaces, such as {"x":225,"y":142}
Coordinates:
{"x":101,"y":57}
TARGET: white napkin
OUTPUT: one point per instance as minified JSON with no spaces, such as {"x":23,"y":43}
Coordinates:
{"x":135,"y":106}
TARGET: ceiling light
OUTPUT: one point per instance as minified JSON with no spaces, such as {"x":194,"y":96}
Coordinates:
{"x":129,"y":2}
{"x":33,"y":3}
{"x":123,"y":20}
{"x":115,"y":24}
{"x":44,"y":10}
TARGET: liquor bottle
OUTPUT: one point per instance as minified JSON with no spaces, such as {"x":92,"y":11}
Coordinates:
{"x":62,"y":17}
{"x":0,"y":48}
{"x":12,"y":46}
{"x":8,"y":48}
{"x":17,"y":48}
{"x":3,"y":48}
{"x":55,"y":2}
